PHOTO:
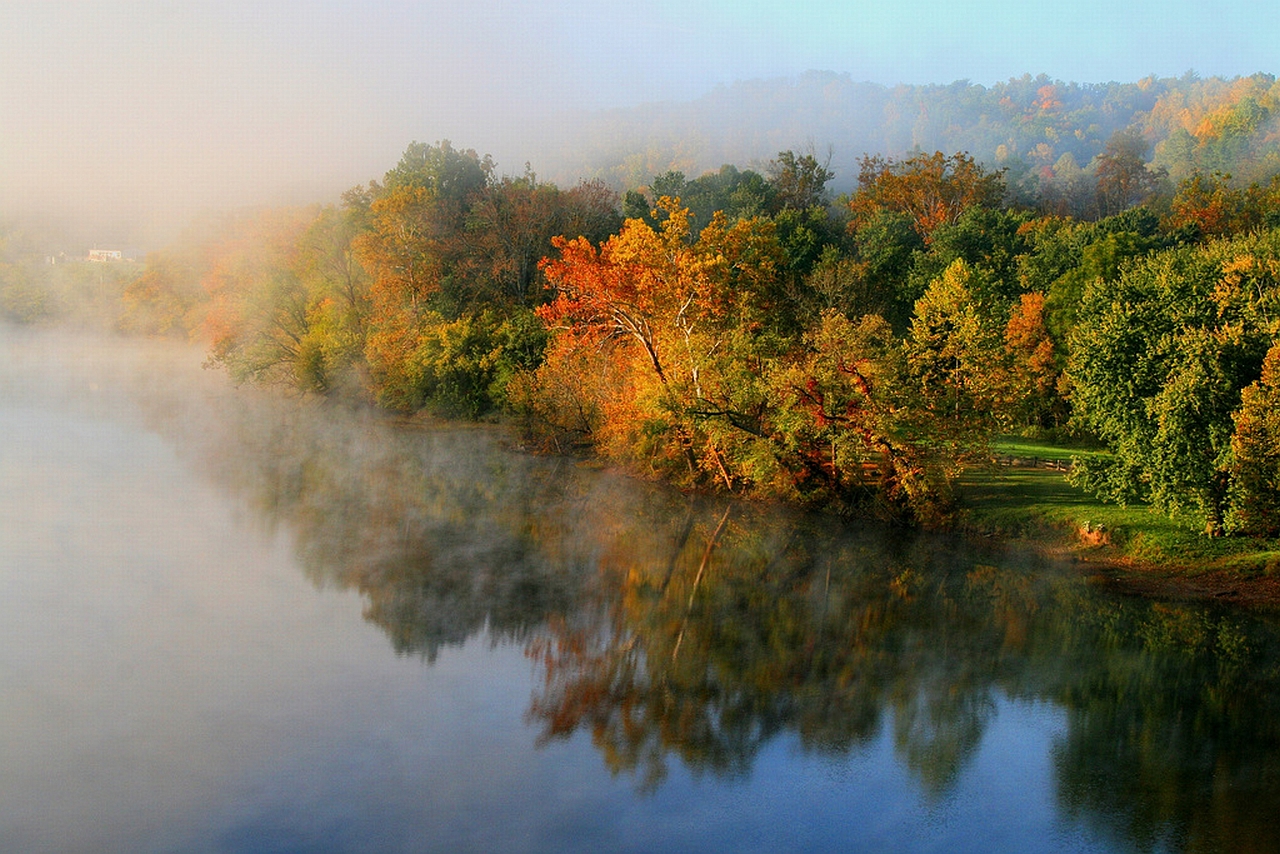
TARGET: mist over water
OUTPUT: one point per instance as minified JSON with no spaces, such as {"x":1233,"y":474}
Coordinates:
{"x":238,"y":621}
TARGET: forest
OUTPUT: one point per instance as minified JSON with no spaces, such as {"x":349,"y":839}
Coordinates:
{"x":751,"y":331}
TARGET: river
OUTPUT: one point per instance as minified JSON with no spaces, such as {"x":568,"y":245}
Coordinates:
{"x":232,"y":621}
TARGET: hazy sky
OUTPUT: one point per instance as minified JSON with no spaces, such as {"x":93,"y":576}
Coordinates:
{"x":159,"y":109}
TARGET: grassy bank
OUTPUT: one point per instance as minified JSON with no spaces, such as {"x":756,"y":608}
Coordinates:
{"x":1027,"y":497}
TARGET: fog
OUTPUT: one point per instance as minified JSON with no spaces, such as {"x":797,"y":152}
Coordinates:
{"x":124,"y":120}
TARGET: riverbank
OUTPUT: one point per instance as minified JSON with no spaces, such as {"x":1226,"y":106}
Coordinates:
{"x":1133,"y":549}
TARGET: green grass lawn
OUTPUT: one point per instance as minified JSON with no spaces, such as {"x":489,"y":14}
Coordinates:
{"x":1038,"y":503}
{"x":1023,"y":448}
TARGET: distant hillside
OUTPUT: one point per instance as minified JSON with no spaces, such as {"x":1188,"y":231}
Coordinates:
{"x":1043,"y":130}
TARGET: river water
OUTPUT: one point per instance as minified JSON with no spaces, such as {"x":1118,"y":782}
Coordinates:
{"x":232,"y":621}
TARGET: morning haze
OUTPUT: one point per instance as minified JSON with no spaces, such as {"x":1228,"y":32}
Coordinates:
{"x":684,"y":495}
{"x":125,"y":120}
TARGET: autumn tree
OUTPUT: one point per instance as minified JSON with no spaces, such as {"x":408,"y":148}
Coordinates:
{"x":679,"y":311}
{"x":1034,"y":372}
{"x":1255,"y":454}
{"x":259,"y":319}
{"x":932,"y":189}
{"x":165,"y":298}
{"x":429,"y":343}
{"x":954,"y":353}
{"x":338,"y":297}
{"x":439,"y":333}
{"x":417,"y":219}
{"x":509,"y":228}
{"x":1215,"y":206}
{"x":847,"y":422}
{"x":861,"y":416}
{"x":1123,"y":177}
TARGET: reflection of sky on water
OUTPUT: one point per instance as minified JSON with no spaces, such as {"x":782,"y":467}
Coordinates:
{"x":173,"y":677}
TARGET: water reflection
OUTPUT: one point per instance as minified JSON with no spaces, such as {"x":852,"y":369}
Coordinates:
{"x":682,"y":630}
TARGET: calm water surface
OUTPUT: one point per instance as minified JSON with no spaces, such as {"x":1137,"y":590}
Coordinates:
{"x":234,"y":623}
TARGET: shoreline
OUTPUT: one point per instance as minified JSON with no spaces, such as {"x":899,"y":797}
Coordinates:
{"x":1173,"y":581}
{"x":1052,"y":529}
{"x":1134,"y":550}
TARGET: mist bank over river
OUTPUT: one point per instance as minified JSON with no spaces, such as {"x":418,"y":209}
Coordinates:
{"x":233,"y":620}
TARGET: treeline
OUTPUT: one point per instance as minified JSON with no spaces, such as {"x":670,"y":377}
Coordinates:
{"x":1046,"y":133}
{"x":742,"y":331}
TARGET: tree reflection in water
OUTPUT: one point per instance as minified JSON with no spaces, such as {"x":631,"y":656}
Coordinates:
{"x":677,"y":629}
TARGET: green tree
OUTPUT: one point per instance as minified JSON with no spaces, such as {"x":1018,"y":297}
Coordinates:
{"x":799,"y":181}
{"x":451,"y":174}
{"x":886,"y":246}
{"x":849,"y":424}
{"x":955,"y":353}
{"x":1158,"y":362}
{"x":987,"y":239}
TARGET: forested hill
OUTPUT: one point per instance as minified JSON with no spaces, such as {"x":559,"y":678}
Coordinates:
{"x":1044,"y":131}
{"x":744,"y":331}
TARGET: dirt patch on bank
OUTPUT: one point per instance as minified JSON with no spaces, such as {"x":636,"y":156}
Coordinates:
{"x":1157,"y":582}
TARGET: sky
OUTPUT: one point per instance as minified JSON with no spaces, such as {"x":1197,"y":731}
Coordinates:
{"x":136,"y":116}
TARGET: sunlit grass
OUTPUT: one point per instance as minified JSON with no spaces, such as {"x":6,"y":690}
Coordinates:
{"x":1024,"y":448}
{"x":1038,"y":503}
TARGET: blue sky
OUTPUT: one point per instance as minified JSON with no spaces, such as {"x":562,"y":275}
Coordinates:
{"x":913,"y":41}
{"x":179,"y":105}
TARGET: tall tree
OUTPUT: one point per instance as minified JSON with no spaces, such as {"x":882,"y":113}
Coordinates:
{"x":799,"y":181}
{"x":1123,"y":176}
{"x":932,"y":189}
{"x":1158,"y":362}
{"x":1255,"y":450}
{"x":678,"y":308}
{"x":509,"y":229}
{"x":954,"y":352}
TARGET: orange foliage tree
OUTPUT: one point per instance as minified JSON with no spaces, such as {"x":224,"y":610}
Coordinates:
{"x":1034,"y":371}
{"x":680,"y":320}
{"x":932,"y":189}
{"x":1215,"y":207}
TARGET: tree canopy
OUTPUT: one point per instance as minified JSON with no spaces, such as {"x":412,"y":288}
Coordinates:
{"x":741,"y":331}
